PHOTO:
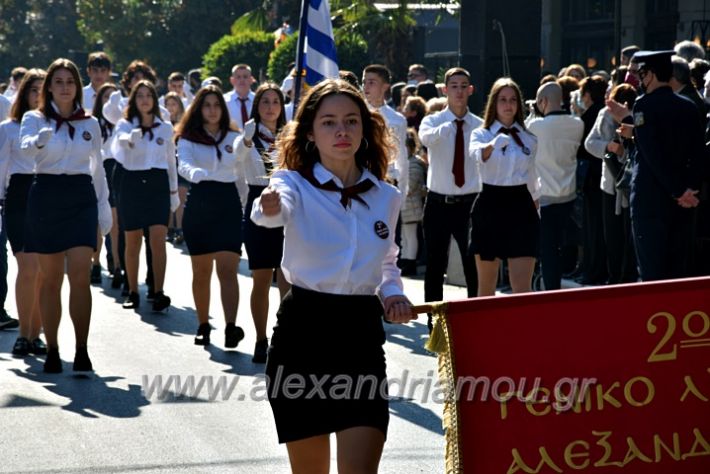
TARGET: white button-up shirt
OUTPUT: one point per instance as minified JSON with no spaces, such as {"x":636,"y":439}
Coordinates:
{"x":11,"y":159}
{"x":399,"y":165}
{"x":234,"y":105}
{"x":146,"y":153}
{"x":88,"y":98}
{"x":198,"y":162}
{"x":64,"y":155}
{"x":332,"y":249}
{"x":509,"y":167}
{"x":5,"y":106}
{"x":251,"y":160}
{"x":437,"y":132}
{"x":113,"y":111}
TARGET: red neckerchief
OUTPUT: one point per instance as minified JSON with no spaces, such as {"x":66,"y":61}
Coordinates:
{"x":204,"y":138}
{"x":346,"y":194}
{"x":77,"y":115}
{"x":148,"y":130}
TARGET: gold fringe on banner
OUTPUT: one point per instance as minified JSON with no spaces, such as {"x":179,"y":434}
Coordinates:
{"x":440,"y":343}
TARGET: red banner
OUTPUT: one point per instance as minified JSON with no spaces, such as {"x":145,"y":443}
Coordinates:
{"x":597,"y":380}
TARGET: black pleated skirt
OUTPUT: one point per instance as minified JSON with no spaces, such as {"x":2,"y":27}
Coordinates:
{"x":331,"y":346}
{"x":15,"y":210}
{"x":144,"y":198}
{"x":505,"y":223}
{"x":264,"y":244}
{"x":61,"y":213}
{"x":212,"y":221}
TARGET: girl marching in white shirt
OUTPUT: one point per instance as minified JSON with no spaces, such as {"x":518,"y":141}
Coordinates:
{"x":212,"y":223}
{"x":107,"y":127}
{"x":145,"y":149}
{"x":256,"y":150}
{"x":67,"y":200}
{"x":505,"y":222}
{"x":339,"y":218}
{"x":21,"y":173}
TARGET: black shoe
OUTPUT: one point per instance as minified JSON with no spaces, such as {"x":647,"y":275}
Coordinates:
{"x":38,"y":347}
{"x":21,"y":347}
{"x":170,"y":236}
{"x":109,"y":263}
{"x":203,"y":335}
{"x":126,"y":289}
{"x":96,"y":274}
{"x":133,"y":301}
{"x":160,"y":302}
{"x":53,"y":364}
{"x":82,"y":363}
{"x":117,"y":279}
{"x":6,"y":322}
{"x":260,"y":351}
{"x":150,"y":294}
{"x":232,"y":335}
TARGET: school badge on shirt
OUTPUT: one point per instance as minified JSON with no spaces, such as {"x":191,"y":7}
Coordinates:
{"x":160,"y":141}
{"x":86,"y":135}
{"x":381,"y":230}
{"x":228,"y":148}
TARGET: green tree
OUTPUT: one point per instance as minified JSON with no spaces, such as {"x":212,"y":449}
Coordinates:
{"x":250,"y":47}
{"x":33,"y":33}
{"x":172,"y":35}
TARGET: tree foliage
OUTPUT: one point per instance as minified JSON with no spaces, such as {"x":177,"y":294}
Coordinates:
{"x":250,"y":47}
{"x":172,"y":35}
{"x":33,"y":33}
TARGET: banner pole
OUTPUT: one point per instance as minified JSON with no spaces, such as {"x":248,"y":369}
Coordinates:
{"x":303,"y":25}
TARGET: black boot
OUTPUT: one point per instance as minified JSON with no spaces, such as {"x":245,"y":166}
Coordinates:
{"x":53,"y":364}
{"x":203,"y":335}
{"x":82,"y":363}
{"x":232,"y":335}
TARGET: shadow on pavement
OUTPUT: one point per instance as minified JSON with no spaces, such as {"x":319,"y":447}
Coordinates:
{"x":410,"y":410}
{"x":239,"y":362}
{"x":90,"y":395}
{"x":411,"y":336}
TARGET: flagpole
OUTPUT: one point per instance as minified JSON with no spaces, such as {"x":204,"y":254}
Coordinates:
{"x":299,"y":52}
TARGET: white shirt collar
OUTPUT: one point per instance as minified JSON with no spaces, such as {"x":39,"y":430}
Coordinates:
{"x":322,"y":174}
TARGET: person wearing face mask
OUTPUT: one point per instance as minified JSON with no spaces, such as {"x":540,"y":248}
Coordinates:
{"x":667,"y":169}
{"x":559,"y":135}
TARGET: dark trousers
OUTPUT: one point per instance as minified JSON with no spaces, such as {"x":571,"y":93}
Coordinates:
{"x":553,"y":221}
{"x":620,"y":256}
{"x":441,"y":222}
{"x":664,"y":244}
{"x":594,"y":259}
{"x":3,"y":268}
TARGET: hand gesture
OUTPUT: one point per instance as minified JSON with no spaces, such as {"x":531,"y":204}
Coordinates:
{"x":625,"y":130}
{"x":249,"y":130}
{"x":398,"y":309}
{"x":688,"y":199}
{"x":115,"y":99}
{"x":500,"y":141}
{"x":135,"y":137}
{"x":270,"y":201}
{"x":43,"y":136}
{"x":616,"y":148}
{"x":617,"y":110}
{"x":174,"y":202}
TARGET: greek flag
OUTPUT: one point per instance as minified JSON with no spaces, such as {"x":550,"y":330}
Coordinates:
{"x":320,"y":59}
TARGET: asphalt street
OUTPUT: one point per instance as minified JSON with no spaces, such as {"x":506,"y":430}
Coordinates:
{"x":138,"y":412}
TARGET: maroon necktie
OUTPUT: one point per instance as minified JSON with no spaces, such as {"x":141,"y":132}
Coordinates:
{"x":346,"y":194}
{"x":77,"y":115}
{"x":245,"y":114}
{"x":458,"y":168}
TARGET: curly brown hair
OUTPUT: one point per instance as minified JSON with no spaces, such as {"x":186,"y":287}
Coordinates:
{"x":291,"y":144}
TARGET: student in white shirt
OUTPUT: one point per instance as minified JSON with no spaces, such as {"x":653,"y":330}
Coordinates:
{"x":5,"y":106}
{"x":176,"y":107}
{"x":240,"y":100}
{"x":67,"y":200}
{"x":213,"y":211}
{"x":339,"y":218}
{"x":19,"y":172}
{"x":117,"y":104}
{"x":376,"y":80}
{"x":453,"y":181}
{"x":505,"y":221}
{"x":176,"y":85}
{"x":98,"y":68}
{"x":113,"y":253}
{"x":256,"y":151}
{"x":148,"y":194}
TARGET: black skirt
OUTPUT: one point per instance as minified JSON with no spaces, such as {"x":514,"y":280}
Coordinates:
{"x":333,"y":345}
{"x":61,"y":213}
{"x":109,"y":167}
{"x":505,"y":223}
{"x":264,"y":245}
{"x":144,"y":198}
{"x":15,"y":210}
{"x":212,"y":221}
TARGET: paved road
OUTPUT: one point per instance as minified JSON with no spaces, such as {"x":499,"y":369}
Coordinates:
{"x":112,"y":421}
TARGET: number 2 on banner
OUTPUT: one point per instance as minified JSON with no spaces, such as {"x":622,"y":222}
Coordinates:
{"x":665,"y":351}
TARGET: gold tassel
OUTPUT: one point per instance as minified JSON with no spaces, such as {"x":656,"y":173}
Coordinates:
{"x":437,"y":339}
